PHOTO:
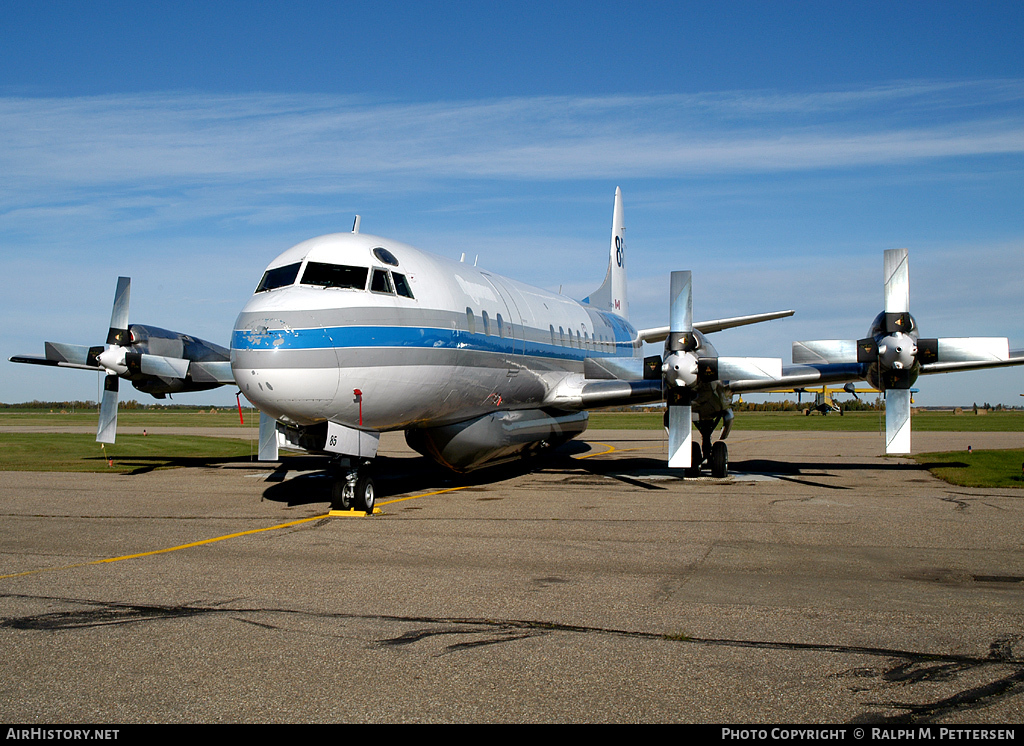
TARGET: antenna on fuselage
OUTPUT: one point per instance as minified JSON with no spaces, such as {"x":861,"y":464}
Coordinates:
{"x":355,"y":225}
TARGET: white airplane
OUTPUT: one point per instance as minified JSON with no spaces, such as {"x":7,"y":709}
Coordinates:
{"x":349,"y":335}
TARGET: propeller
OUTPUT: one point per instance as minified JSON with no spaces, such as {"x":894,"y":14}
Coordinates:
{"x":156,"y":361}
{"x":680,"y":370}
{"x":112,"y":358}
{"x":693,"y":371}
{"x":894,"y":354}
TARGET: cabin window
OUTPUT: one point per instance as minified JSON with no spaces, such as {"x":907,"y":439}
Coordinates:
{"x":385,"y":256}
{"x":487,"y":322}
{"x":279,"y":277}
{"x":381,"y":282}
{"x":551,"y":328}
{"x":334,"y":276}
{"x":501,"y":327}
{"x":470,"y":320}
{"x":402,"y":285}
{"x":561,"y":336}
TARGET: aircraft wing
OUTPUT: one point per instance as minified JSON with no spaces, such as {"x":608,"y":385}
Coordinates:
{"x":801,"y":376}
{"x":660,"y":333}
{"x":36,"y":360}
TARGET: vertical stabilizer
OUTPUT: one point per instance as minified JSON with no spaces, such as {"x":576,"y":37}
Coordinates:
{"x":611,"y":296}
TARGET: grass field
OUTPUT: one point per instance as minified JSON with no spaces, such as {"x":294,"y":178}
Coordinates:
{"x":202,"y":417}
{"x":132,"y":454}
{"x":977,"y":469}
{"x":924,"y":421}
{"x":79,"y":452}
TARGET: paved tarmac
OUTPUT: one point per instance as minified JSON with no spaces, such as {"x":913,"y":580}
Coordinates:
{"x":820,"y":583}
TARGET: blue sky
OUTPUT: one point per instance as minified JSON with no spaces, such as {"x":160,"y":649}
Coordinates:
{"x":775,"y":149}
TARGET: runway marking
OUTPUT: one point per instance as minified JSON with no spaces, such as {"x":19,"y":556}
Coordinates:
{"x":601,"y":453}
{"x":427,"y":494}
{"x":168,"y":549}
{"x":213,"y":540}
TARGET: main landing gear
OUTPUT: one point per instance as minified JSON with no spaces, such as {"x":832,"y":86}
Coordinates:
{"x":352,"y":487}
{"x":717,"y":453}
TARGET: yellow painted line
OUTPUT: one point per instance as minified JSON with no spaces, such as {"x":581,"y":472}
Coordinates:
{"x":609,"y":447}
{"x":216,"y":539}
{"x":168,"y":549}
{"x":427,"y":494}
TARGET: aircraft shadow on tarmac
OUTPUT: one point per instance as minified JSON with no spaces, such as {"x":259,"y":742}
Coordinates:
{"x":310,"y":481}
{"x":146,"y":464}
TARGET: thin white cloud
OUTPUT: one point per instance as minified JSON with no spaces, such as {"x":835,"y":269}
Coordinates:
{"x":152,"y":141}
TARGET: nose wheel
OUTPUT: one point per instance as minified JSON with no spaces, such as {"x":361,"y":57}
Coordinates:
{"x":352,"y":488}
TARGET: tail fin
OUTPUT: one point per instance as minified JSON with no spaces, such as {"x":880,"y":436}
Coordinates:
{"x":611,"y":296}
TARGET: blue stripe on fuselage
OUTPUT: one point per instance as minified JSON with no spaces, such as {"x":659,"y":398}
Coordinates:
{"x":411,"y":336}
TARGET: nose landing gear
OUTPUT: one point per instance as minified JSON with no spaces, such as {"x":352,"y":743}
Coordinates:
{"x":352,"y":487}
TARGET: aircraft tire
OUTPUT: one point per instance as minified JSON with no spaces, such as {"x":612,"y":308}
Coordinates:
{"x":341,"y":498}
{"x":719,"y":460}
{"x":365,"y":494}
{"x":696,"y":458}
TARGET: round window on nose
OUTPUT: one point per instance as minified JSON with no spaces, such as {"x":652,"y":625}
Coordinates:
{"x":385,"y":256}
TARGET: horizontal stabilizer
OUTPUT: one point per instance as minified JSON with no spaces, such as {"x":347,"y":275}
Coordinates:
{"x":660,"y":333}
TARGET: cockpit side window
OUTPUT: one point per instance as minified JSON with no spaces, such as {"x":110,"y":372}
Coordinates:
{"x":335,"y":276}
{"x":402,"y":285}
{"x":381,"y":282}
{"x":279,"y":277}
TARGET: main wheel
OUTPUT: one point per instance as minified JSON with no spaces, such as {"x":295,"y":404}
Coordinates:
{"x":365,"y":495}
{"x":719,"y":460}
{"x":696,"y":457}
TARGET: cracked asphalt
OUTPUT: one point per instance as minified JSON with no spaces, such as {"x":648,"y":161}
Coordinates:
{"x":821,"y":583}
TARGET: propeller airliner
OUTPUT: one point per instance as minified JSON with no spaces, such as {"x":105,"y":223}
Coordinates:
{"x":349,"y":335}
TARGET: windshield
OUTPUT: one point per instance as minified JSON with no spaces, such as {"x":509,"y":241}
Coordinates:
{"x":278,"y":277}
{"x":334,"y":276}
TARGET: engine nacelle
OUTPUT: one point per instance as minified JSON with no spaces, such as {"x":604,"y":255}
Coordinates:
{"x":496,"y":438}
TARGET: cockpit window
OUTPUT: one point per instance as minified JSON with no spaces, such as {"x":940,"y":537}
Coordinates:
{"x":402,"y":285}
{"x":381,"y":282}
{"x":385,"y":256}
{"x":278,"y":277}
{"x":334,"y":276}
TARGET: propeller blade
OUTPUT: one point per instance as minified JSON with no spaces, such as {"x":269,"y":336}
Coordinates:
{"x":107,"y":430}
{"x":824,"y":351}
{"x":897,"y":421}
{"x":748,"y":368}
{"x":67,"y":353}
{"x":157,"y":365}
{"x":118,"y":333}
{"x":268,"y":438}
{"x":680,"y":436}
{"x":964,"y":349}
{"x":680,"y":308}
{"x":897,"y":282}
{"x":680,"y":346}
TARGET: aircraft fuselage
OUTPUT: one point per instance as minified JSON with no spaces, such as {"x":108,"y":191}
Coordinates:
{"x":426,"y":341}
